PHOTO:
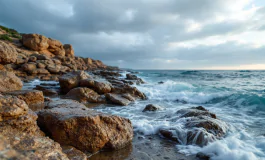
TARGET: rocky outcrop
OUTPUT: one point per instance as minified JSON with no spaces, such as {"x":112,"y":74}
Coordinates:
{"x":31,"y":97}
{"x":71,"y":123}
{"x":201,"y":127}
{"x":9,"y":82}
{"x":72,"y":80}
{"x":8,"y":53}
{"x":24,"y":139}
{"x":35,"y":42}
{"x":83,"y":95}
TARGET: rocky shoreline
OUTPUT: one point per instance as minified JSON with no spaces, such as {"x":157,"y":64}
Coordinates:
{"x":53,"y":121}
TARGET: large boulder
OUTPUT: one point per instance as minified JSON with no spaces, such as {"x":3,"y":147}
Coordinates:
{"x":71,"y":80}
{"x":56,"y":47}
{"x":71,"y":123}
{"x":69,"y":51}
{"x":9,"y":82}
{"x":83,"y":95}
{"x":8,"y":54}
{"x":35,"y":42}
{"x":29,"y":96}
{"x":23,"y":138}
{"x":151,"y":107}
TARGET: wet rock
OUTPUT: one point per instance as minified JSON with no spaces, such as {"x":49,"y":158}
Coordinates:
{"x":161,"y":82}
{"x":71,"y":80}
{"x":128,"y":96}
{"x":83,"y":95}
{"x":9,"y":82}
{"x":73,"y":153}
{"x":202,"y":156}
{"x":35,"y":42}
{"x":8,"y":54}
{"x":151,"y":107}
{"x":117,"y":99}
{"x":29,"y":96}
{"x":71,"y":123}
{"x":169,"y":135}
{"x":108,"y":73}
{"x":196,"y":111}
{"x":201,"y":127}
{"x":134,"y":78}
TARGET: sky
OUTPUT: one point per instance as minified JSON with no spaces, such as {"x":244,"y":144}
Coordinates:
{"x":150,"y":34}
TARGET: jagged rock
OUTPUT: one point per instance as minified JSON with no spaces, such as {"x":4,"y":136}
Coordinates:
{"x":71,"y":80}
{"x":29,"y":96}
{"x":83,"y":95}
{"x":151,"y":107}
{"x":35,"y":42}
{"x":23,"y":138}
{"x":117,"y":99}
{"x":8,"y":53}
{"x":99,"y":87}
{"x":56,"y":47}
{"x":9,"y":82}
{"x":69,"y":51}
{"x":71,"y":123}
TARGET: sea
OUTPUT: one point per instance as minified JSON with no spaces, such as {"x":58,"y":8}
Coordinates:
{"x":236,"y":97}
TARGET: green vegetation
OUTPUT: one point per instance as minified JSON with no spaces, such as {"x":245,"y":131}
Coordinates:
{"x":10,"y":33}
{"x":5,"y":37}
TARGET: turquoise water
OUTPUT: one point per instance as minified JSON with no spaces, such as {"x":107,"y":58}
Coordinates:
{"x":237,"y":98}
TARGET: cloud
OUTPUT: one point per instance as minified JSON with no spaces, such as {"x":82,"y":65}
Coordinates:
{"x":149,"y":34}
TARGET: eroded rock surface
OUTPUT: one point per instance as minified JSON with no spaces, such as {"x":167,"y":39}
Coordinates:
{"x":71,"y":123}
{"x":9,"y":82}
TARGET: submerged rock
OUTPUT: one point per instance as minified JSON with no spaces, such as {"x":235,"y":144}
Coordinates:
{"x":9,"y":82}
{"x":151,"y":107}
{"x":71,"y":123}
{"x":200,"y":127}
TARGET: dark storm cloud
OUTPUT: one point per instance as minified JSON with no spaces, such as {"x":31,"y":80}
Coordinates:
{"x":137,"y":33}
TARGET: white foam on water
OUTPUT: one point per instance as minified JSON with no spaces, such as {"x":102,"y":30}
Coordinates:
{"x":239,"y":146}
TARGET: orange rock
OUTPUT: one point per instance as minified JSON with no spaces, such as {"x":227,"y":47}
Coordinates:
{"x":71,"y":123}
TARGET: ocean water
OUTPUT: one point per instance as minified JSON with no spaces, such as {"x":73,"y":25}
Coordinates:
{"x":236,"y":97}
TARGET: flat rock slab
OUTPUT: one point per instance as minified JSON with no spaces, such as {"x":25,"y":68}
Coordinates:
{"x":71,"y":123}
